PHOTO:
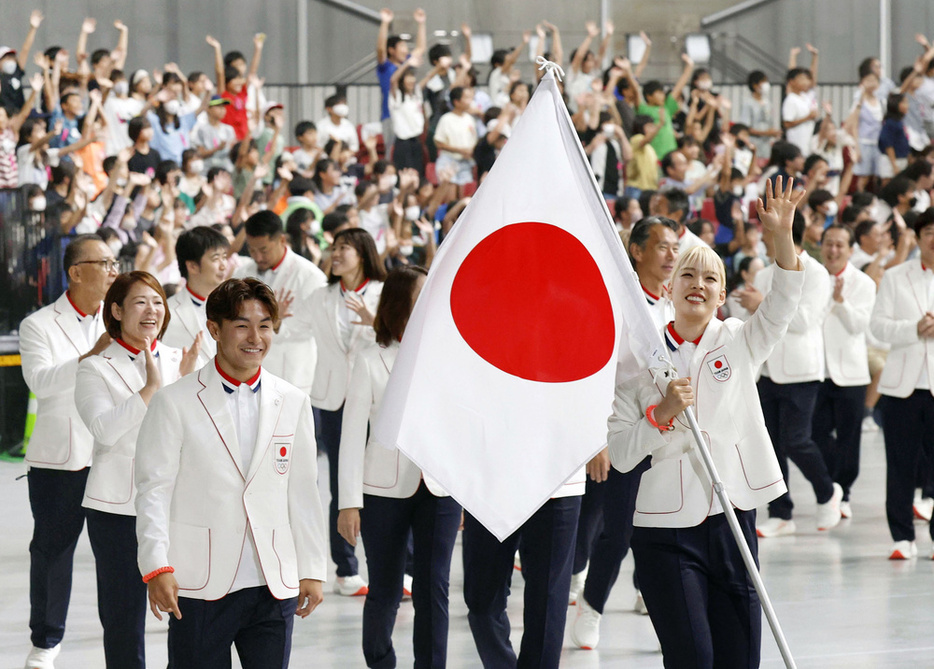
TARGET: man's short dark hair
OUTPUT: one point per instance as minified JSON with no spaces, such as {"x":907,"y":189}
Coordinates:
{"x":668,"y":162}
{"x":925,"y":219}
{"x":393,"y":41}
{"x":304,"y":126}
{"x":99,"y":55}
{"x":677,"y":201}
{"x":333,"y":100}
{"x":75,"y":250}
{"x":795,"y":71}
{"x":301,"y":185}
{"x":917,"y":170}
{"x":333,"y":221}
{"x":231,"y":73}
{"x":436,"y":52}
{"x":812,"y":160}
{"x":456,"y":93}
{"x":849,"y":214}
{"x":225,"y":301}
{"x":193,"y":244}
{"x":136,"y":126}
{"x":755,"y":78}
{"x":264,"y":224}
{"x":863,"y":228}
{"x":851,"y":238}
{"x":651,"y":88}
{"x":233,"y":56}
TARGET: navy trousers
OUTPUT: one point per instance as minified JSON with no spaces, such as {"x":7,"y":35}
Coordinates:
{"x":122,"y":599}
{"x":838,"y":429}
{"x":611,"y":546}
{"x":328,"y":433}
{"x":547,"y":551}
{"x":589,"y":524}
{"x":907,"y":425}
{"x":702,"y":602}
{"x":254,"y":621}
{"x":385,"y":525}
{"x":788,"y":409}
{"x":55,"y":499}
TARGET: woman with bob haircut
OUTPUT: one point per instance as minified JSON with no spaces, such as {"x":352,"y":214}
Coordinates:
{"x":341,"y":314}
{"x":701,"y":601}
{"x":112,"y":393}
{"x":384,"y":496}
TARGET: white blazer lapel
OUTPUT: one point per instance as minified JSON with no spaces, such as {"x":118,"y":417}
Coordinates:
{"x":186,"y":314}
{"x":916,"y":281}
{"x":332,"y":307}
{"x":67,"y":320}
{"x":214,"y":400}
{"x":118,"y":359}
{"x":269,"y":408}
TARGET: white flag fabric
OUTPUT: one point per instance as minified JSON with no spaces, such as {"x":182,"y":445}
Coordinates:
{"x":505,"y":378}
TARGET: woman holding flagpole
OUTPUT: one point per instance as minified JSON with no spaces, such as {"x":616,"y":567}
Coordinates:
{"x":384,"y":496}
{"x":702,"y":603}
{"x":112,"y":394}
{"x":342,"y":318}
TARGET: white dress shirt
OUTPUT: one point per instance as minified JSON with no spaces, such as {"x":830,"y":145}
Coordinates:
{"x":243,"y":401}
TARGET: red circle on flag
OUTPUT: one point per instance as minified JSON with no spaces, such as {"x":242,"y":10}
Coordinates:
{"x":282,"y":452}
{"x":718,"y":364}
{"x":531,"y":301}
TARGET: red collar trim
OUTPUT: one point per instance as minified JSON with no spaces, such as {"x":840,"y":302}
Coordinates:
{"x":649,"y":293}
{"x":195,"y":295}
{"x":281,"y":260}
{"x":684,"y":231}
{"x":358,"y":288}
{"x":75,"y":306}
{"x":843,"y":269}
{"x":236,"y":382}
{"x":136,"y":351}
{"x":678,"y":339}
{"x":923,"y":269}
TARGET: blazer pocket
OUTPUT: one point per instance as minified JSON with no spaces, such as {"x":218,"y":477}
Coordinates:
{"x":190,"y":555}
{"x":111,"y":479}
{"x":319,"y":388}
{"x":662,"y":488}
{"x":894,"y":371}
{"x":380,"y":470}
{"x":52,"y":438}
{"x":284,"y":545}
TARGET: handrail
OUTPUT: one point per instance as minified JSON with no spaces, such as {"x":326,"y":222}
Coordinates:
{"x":764,"y":56}
{"x":357,"y":70}
{"x":730,"y":12}
{"x":355,"y":8}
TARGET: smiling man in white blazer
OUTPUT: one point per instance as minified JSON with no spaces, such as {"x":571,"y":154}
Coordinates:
{"x":838,"y":415}
{"x":904,"y":317}
{"x":52,"y":342}
{"x":293,"y":279}
{"x":202,"y":261}
{"x":230,"y":526}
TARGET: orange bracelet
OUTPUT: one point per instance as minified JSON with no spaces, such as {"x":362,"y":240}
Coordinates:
{"x":650,"y":416}
{"x":162,"y":570}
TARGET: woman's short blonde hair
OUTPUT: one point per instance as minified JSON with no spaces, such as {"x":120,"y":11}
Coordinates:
{"x":704,"y":259}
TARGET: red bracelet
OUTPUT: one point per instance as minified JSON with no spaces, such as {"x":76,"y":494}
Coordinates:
{"x":650,"y":416}
{"x":162,"y":570}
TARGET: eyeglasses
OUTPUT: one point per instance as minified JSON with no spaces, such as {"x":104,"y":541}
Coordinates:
{"x":106,"y":265}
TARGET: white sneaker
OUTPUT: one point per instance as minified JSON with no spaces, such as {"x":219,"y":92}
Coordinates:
{"x":776,"y":527}
{"x":828,"y":513}
{"x":923,"y":507}
{"x":517,"y":562}
{"x":406,"y":587}
{"x":903,"y":550}
{"x":577,"y":587}
{"x":870,"y":424}
{"x":41,"y":658}
{"x":846,"y":510}
{"x":350,"y":586}
{"x":585,"y":632}
{"x":640,"y":607}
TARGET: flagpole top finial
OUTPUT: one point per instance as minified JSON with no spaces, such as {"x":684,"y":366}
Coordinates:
{"x":549,"y":66}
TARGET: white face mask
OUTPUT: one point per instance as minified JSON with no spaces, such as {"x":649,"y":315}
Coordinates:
{"x":171,"y":107}
{"x":341,"y":110}
{"x":412,"y":213}
{"x":765,"y":87}
{"x":704,"y":85}
{"x":121,"y":88}
{"x":609,"y":130}
{"x":197,"y":166}
{"x":738,"y":191}
{"x":9,"y":66}
{"x":38,"y":203}
{"x":388,"y":181}
{"x":831,"y":208}
{"x":406,"y":249}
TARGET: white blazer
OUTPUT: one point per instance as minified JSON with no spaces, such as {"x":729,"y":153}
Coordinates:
{"x":294,"y":353}
{"x":799,"y":355}
{"x":107,"y":396}
{"x":903,"y":299}
{"x":675,"y":491}
{"x":373,"y":470}
{"x":195,"y":503}
{"x":185,"y":324}
{"x":50,"y":341}
{"x":845,"y":328}
{"x":335,"y":358}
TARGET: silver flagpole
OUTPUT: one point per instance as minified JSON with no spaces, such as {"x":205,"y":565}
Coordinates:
{"x":751,"y":566}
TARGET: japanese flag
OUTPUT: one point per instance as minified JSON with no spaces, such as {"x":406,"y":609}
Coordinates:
{"x":505,"y":377}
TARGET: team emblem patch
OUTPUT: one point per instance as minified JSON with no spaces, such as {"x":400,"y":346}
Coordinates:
{"x":282,"y":457}
{"x":720,"y":368}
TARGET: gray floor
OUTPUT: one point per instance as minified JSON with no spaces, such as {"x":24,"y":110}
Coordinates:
{"x":842,"y":604}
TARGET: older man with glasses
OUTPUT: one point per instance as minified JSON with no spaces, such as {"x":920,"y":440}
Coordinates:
{"x":52,"y":342}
